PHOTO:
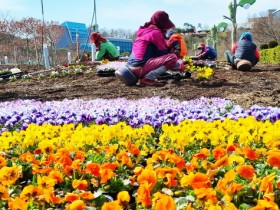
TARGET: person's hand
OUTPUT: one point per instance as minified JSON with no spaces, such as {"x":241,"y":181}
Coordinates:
{"x":182,"y":67}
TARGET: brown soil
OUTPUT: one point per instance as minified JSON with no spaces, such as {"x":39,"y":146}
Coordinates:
{"x":260,"y":86}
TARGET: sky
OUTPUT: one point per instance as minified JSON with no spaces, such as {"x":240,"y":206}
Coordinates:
{"x":130,"y":14}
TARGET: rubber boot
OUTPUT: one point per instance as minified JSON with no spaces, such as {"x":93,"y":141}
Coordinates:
{"x":126,"y":76}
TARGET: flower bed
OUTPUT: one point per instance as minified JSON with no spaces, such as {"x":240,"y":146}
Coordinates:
{"x":152,"y":111}
{"x":151,"y":153}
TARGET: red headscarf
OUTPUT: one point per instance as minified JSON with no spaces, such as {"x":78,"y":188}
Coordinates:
{"x":96,"y":38}
{"x":161,"y":20}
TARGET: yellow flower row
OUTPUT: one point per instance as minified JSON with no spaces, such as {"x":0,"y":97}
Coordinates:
{"x":187,"y":133}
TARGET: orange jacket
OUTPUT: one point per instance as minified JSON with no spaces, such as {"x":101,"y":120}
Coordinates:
{"x":183,"y":46}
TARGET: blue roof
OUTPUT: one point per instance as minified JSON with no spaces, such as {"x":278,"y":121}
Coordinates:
{"x":76,"y":28}
{"x":73,"y":28}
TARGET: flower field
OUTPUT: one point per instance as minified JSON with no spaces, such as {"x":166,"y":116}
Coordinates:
{"x":151,"y":153}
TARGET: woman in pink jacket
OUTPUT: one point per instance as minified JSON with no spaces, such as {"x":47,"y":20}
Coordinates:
{"x":150,"y":56}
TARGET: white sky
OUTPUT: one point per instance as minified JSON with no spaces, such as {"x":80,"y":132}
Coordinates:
{"x":130,"y":14}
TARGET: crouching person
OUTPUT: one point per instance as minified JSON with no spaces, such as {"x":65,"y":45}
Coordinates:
{"x":150,"y":56}
{"x":244,"y":53}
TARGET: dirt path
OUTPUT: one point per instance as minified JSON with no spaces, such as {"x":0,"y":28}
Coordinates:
{"x":260,"y":86}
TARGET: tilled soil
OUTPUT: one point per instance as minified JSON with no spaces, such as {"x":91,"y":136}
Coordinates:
{"x":259,"y":86}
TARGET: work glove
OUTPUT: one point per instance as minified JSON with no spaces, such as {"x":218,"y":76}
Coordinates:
{"x":182,"y":67}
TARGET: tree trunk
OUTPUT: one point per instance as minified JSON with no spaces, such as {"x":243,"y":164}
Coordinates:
{"x":234,"y":23}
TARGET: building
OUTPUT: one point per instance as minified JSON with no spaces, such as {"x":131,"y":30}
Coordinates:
{"x":276,"y":13}
{"x":125,"y":45}
{"x":78,"y":32}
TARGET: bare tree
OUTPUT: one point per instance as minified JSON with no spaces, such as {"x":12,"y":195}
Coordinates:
{"x":31,"y":28}
{"x":53,"y":32}
{"x":266,"y":28}
{"x":10,"y":30}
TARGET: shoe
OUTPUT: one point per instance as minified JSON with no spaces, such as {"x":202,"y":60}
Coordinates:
{"x":148,"y":82}
{"x":228,"y":67}
{"x":244,"y":65}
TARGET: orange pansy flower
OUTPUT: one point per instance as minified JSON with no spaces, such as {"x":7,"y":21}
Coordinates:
{"x":46,"y":182}
{"x":219,"y":152}
{"x":87,"y":195}
{"x":125,"y":159}
{"x":132,"y":148}
{"x":4,"y":194}
{"x":80,"y":155}
{"x":266,"y":183}
{"x":221,"y":162}
{"x":163,"y":202}
{"x":63,"y":157}
{"x":246,"y":171}
{"x":229,"y":176}
{"x":110,"y":150}
{"x":168,"y":174}
{"x":80,"y":184}
{"x":231,"y":148}
{"x":48,"y":160}
{"x":111,"y":166}
{"x":123,"y":197}
{"x":9,"y":175}
{"x":233,"y":188}
{"x":203,"y":153}
{"x":76,"y":165}
{"x":250,"y":153}
{"x":17,"y":203}
{"x":50,"y":197}
{"x":93,"y":168}
{"x":3,"y":161}
{"x":137,"y":170}
{"x":106,"y":174}
{"x":263,"y":204}
{"x":111,"y":206}
{"x":31,"y":192}
{"x":143,"y":195}
{"x":206,"y":194}
{"x":70,"y":197}
{"x":36,"y":169}
{"x":274,"y":160}
{"x":148,"y":176}
{"x":198,"y":180}
{"x":76,"y":205}
{"x":57,"y":175}
{"x":28,"y":157}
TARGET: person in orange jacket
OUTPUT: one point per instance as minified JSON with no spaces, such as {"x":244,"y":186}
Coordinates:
{"x":176,"y":44}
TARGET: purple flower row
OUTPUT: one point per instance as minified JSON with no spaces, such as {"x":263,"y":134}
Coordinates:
{"x":114,"y":65}
{"x":153,"y":111}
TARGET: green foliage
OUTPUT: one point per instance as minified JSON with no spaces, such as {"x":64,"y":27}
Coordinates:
{"x":264,"y":46}
{"x":5,"y":72}
{"x":243,"y":2}
{"x":222,"y":26}
{"x":272,"y":44}
{"x":124,"y":54}
{"x":271,"y":56}
{"x":230,"y":8}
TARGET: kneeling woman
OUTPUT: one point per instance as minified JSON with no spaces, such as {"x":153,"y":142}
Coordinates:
{"x":105,"y":49}
{"x":150,"y":56}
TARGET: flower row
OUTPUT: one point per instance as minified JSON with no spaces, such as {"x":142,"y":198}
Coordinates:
{"x":226,"y":164}
{"x":152,"y":111}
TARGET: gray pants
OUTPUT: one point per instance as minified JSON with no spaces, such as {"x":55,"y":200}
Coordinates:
{"x":229,"y":56}
{"x":154,"y":74}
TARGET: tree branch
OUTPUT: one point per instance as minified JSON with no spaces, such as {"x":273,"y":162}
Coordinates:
{"x":225,"y":17}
